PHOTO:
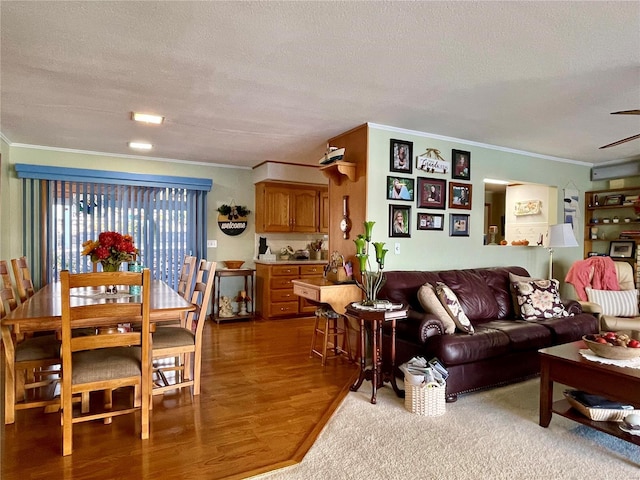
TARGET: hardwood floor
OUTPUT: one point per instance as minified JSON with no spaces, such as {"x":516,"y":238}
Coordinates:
{"x":263,"y":403}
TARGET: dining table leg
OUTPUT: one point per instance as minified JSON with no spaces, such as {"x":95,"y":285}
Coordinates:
{"x":9,"y":376}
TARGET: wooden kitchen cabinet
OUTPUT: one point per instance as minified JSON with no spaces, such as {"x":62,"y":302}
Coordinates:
{"x":324,"y":211}
{"x":285,"y":207}
{"x":275,"y":297}
{"x":275,"y":290}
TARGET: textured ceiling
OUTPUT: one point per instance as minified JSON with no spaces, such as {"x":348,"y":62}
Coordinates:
{"x":245,"y":82}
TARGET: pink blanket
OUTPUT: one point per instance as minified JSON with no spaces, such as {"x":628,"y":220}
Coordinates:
{"x":604,"y":275}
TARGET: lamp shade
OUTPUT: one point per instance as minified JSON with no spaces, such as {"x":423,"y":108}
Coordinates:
{"x":561,"y":235}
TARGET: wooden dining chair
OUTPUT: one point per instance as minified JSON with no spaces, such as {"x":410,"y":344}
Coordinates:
{"x":32,"y":365}
{"x":105,"y":362}
{"x":24,"y":284}
{"x":187,"y":272}
{"x":185,"y":342}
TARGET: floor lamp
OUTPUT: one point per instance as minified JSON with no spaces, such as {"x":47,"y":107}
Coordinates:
{"x":560,"y":235}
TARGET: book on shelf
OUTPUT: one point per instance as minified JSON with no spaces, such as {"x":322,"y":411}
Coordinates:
{"x":596,"y":401}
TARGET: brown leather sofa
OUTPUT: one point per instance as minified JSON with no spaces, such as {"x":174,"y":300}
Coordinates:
{"x":502,"y":350}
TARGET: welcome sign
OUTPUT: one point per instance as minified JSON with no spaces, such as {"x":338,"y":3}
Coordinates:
{"x":232,"y":226}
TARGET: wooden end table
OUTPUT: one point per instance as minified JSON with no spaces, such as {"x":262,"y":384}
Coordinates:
{"x":564,"y":364}
{"x":375,"y":374}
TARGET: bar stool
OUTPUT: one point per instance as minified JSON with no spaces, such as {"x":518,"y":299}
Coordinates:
{"x":329,"y":327}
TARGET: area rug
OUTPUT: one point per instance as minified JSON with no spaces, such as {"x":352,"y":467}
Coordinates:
{"x":487,"y":435}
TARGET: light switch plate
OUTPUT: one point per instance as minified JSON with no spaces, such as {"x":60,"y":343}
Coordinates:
{"x":396,"y":249}
{"x":212,"y":244}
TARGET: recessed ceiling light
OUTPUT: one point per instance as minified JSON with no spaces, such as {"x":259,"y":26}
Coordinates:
{"x":147,"y":118}
{"x":140,"y":145}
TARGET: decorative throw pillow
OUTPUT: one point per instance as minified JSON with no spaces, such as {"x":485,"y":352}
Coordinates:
{"x":514,"y":299}
{"x":431,"y":304}
{"x":617,"y":303}
{"x":539,"y":299}
{"x":452,"y":306}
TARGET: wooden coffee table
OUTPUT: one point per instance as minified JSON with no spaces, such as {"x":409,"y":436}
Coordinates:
{"x":564,"y":364}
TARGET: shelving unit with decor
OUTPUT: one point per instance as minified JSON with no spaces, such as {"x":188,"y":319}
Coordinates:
{"x":612,"y":215}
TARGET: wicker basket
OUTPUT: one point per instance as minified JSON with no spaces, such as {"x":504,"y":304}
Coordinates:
{"x":599,"y":414}
{"x":424,"y":399}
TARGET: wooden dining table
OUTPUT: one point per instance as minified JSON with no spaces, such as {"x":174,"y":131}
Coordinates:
{"x":43,"y":312}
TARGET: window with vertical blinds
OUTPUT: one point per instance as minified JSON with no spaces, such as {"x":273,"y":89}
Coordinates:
{"x":63,"y":207}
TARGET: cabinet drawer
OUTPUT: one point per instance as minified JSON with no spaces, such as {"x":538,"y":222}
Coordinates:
{"x":312,"y":270}
{"x":281,"y":282}
{"x":307,"y":292}
{"x":283,"y":296}
{"x":285,"y":270}
{"x":286,"y":308}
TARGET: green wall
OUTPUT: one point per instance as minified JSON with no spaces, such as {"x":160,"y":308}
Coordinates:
{"x":436,"y":250}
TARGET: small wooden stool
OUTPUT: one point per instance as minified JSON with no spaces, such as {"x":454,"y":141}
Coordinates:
{"x":330,"y":327}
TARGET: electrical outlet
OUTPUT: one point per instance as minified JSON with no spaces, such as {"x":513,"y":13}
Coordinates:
{"x":396,"y":249}
{"x":212,"y":243}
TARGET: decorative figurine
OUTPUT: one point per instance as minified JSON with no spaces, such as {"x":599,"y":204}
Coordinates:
{"x":224,"y":308}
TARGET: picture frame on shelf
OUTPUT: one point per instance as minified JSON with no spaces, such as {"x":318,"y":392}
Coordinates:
{"x":432,"y":193}
{"x":430,"y":221}
{"x":613,"y":200}
{"x":459,"y":225}
{"x":399,"y":221}
{"x":400,"y":188}
{"x":460,"y":195}
{"x":622,"y":248}
{"x":461,"y":161}
{"x":400,"y":155}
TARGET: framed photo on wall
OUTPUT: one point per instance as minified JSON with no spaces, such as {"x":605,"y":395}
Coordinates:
{"x":458,"y":225}
{"x":432,"y":193}
{"x":400,"y":154}
{"x":430,"y":221}
{"x":399,"y":221}
{"x":461,"y":161}
{"x":399,"y":188}
{"x":460,"y":195}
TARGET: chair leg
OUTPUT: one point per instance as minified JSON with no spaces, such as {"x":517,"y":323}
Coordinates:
{"x":108,"y":403}
{"x":314,"y":337}
{"x":197,"y":364}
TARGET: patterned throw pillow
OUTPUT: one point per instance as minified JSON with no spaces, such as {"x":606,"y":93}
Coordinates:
{"x":431,"y":304}
{"x":514,"y":297}
{"x":620,"y":303}
{"x":539,"y":299}
{"x":452,"y":306}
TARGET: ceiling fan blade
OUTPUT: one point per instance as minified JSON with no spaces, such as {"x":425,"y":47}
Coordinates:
{"x":624,"y":140}
{"x":627,"y":112}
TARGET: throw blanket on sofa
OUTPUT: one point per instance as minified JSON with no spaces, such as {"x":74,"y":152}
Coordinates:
{"x":604,"y":275}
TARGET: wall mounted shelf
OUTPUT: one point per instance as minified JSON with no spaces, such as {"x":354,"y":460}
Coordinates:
{"x":338,"y":170}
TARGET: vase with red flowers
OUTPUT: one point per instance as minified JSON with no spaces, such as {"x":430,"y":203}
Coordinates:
{"x":111,"y":249}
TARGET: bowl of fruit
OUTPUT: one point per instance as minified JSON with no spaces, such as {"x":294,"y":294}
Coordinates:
{"x":613,"y":345}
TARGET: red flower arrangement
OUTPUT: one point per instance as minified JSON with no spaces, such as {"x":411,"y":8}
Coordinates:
{"x":111,"y":249}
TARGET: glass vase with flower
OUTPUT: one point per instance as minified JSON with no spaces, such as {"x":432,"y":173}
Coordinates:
{"x":370,"y":281}
{"x":111,"y":249}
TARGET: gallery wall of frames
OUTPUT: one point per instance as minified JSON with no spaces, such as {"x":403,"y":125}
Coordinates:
{"x":438,"y":184}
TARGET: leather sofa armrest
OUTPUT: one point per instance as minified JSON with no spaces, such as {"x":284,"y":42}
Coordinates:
{"x":419,"y":326}
{"x":574,"y":307}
